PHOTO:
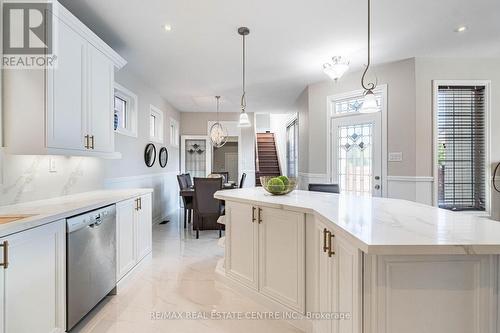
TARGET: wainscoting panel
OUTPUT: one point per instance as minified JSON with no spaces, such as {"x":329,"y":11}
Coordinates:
{"x":165,"y":195}
{"x":413,"y":188}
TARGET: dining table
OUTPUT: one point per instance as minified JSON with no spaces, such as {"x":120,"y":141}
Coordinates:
{"x":189,"y":192}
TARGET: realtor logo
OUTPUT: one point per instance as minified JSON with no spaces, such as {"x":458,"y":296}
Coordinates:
{"x":27,"y":35}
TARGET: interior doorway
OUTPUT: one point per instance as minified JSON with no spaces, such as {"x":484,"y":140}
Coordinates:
{"x":225,"y":159}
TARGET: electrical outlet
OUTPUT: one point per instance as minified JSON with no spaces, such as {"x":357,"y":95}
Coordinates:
{"x":52,"y":164}
{"x":396,"y":157}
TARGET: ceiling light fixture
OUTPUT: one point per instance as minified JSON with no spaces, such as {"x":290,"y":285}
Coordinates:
{"x":244,"y":120}
{"x":369,"y":102}
{"x":167,"y":27}
{"x":462,"y":28}
{"x":218,"y":135}
{"x":336,"y":68}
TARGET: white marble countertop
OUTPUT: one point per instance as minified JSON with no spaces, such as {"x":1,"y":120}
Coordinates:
{"x":50,"y":210}
{"x":385,"y":226}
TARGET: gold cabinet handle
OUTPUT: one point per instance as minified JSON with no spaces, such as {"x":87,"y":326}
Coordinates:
{"x":260,"y":215}
{"x":330,"y":251}
{"x":86,"y":142}
{"x":253,"y":214}
{"x":137,"y":204}
{"x":140,"y":203}
{"x":5,"y":245}
{"x":325,"y":240}
{"x":92,"y":142}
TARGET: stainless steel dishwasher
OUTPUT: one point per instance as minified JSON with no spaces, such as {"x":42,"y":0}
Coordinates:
{"x":90,"y":261}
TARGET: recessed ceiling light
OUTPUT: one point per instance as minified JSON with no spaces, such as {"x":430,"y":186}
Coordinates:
{"x":167,"y":27}
{"x":461,"y":28}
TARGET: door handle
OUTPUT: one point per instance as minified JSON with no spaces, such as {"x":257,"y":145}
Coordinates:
{"x":330,"y":252}
{"x":325,"y":240}
{"x":253,"y":214}
{"x":5,"y":245}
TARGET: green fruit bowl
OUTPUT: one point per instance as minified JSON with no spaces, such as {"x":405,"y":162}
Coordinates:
{"x":278,"y":185}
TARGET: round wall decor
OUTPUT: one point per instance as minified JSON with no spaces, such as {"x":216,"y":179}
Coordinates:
{"x":150,"y":154}
{"x":163,"y":157}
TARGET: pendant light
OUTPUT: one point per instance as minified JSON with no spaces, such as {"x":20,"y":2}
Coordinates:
{"x":218,"y":135}
{"x":244,"y":120}
{"x":369,"y":102}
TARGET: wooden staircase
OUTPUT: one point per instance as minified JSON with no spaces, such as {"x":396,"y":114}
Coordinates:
{"x":266,"y":163}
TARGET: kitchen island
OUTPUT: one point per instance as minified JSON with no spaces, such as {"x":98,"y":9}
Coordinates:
{"x":373,"y":265}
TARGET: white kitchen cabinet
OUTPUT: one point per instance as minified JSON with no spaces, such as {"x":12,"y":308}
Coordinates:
{"x":101,"y":91}
{"x":281,"y":256}
{"x":66,"y":116}
{"x":66,"y":109}
{"x":144,"y":224}
{"x":32,"y":286}
{"x":265,"y":251}
{"x":133,"y":232}
{"x":242,"y":232}
{"x":339,"y":290}
{"x":125,"y":242}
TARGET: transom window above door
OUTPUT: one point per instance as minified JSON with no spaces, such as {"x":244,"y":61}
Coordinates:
{"x":352,"y":105}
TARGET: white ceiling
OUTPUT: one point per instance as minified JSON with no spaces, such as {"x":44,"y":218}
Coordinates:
{"x":288,"y":43}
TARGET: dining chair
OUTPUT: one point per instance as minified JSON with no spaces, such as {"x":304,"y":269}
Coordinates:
{"x":189,"y":181}
{"x":207,"y":209}
{"x":187,"y":201}
{"x":242,"y":180}
{"x":330,"y":188}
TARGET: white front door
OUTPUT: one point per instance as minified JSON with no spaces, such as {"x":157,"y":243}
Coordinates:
{"x":356,"y":153}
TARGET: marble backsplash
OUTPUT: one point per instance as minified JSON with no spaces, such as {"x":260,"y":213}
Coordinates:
{"x":27,"y":177}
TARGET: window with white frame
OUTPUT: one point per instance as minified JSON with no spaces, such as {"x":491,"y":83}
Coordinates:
{"x":174,"y":132}
{"x":125,"y":111}
{"x":461,"y":147}
{"x":155,"y":124}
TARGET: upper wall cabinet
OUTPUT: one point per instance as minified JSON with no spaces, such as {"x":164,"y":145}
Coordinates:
{"x":66,"y":109}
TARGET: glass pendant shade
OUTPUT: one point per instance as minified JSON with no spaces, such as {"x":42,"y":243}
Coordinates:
{"x":369,"y":103}
{"x":218,"y":135}
{"x":244,"y":120}
{"x":337,"y":68}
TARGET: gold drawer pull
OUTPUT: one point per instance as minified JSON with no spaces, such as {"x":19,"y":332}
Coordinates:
{"x":253,"y":214}
{"x":330,"y":251}
{"x":325,"y":237}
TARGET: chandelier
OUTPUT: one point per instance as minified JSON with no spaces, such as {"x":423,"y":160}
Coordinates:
{"x":218,"y":135}
{"x":336,"y":68}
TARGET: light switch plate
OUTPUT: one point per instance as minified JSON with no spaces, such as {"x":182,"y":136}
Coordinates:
{"x":396,"y":157}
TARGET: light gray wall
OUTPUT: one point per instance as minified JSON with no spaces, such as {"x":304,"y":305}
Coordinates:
{"x":130,"y":170}
{"x":400,"y":79}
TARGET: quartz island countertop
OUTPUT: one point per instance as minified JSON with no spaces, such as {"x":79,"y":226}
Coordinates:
{"x":49,"y":210}
{"x":383,"y":225}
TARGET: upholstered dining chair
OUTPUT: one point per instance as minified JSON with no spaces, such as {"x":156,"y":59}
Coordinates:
{"x":242,"y":180}
{"x":188,"y":179}
{"x":330,"y":188}
{"x":207,"y":209}
{"x":187,"y":201}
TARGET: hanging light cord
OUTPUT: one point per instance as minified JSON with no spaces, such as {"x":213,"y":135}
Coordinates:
{"x":217,"y":97}
{"x":371,"y":85}
{"x":243,"y":97}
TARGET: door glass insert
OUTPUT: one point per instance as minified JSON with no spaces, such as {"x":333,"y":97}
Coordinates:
{"x":196,"y":157}
{"x":355,"y":158}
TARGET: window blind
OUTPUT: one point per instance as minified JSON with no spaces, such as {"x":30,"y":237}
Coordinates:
{"x":461,"y":147}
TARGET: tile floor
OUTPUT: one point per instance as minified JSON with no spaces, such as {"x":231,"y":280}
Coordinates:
{"x":179,"y":276}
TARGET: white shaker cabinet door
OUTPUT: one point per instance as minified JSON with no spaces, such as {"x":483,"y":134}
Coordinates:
{"x":100,"y":108}
{"x":242,"y":244}
{"x":125,"y":237}
{"x":66,"y":92}
{"x":33,"y":285}
{"x":144,"y":226}
{"x":282,"y":256}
